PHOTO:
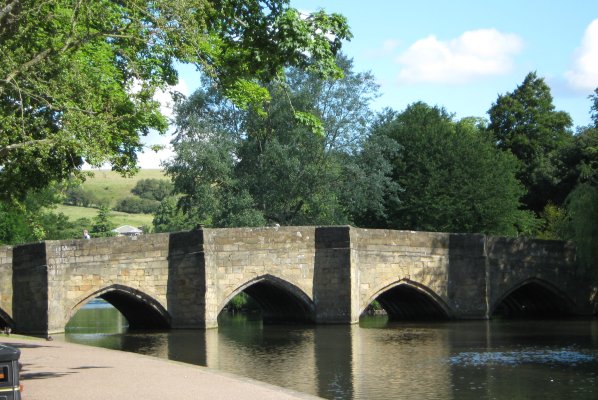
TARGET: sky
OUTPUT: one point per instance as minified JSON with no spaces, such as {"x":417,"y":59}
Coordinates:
{"x":460,"y":54}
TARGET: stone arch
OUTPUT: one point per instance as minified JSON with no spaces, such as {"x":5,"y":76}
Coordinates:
{"x":410,"y":300}
{"x":280,"y":300}
{"x":141,"y":310}
{"x":533,"y":297}
{"x":6,"y":320}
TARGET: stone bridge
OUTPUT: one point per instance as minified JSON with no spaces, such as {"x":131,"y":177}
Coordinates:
{"x":308,"y":274}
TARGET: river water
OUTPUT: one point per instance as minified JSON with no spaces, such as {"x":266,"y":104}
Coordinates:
{"x":499,"y":359}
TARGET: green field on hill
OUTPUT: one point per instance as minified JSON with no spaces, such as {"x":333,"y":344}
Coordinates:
{"x":116,"y":217}
{"x":110,"y":186}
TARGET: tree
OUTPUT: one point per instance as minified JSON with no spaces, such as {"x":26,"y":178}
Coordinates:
{"x":525,"y":123}
{"x":452,"y":177}
{"x":102,"y":227}
{"x":34,"y":219}
{"x":136,"y":205}
{"x":153,"y":189}
{"x":169,"y":218}
{"x":582,"y":202}
{"x":236,"y":167}
{"x":75,"y":87}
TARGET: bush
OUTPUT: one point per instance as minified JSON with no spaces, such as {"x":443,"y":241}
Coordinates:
{"x":135,"y":205}
{"x":153,"y":189}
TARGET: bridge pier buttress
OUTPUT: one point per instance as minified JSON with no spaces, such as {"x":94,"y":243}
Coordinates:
{"x":467,"y":276}
{"x":31,"y":311}
{"x":336,"y":297}
{"x":187,"y":281}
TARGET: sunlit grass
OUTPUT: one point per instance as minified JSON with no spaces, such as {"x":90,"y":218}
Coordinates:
{"x":118,"y":218}
{"x":109,"y":186}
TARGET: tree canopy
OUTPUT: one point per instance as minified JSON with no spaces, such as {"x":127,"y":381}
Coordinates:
{"x":526,"y":123}
{"x":234,"y":167}
{"x":452,"y":177}
{"x":78,"y":78}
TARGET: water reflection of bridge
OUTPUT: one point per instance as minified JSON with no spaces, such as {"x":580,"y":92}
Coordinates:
{"x":318,"y":274}
{"x":407,"y":360}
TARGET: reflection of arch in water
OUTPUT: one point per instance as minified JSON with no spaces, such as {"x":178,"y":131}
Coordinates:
{"x":409,"y":300}
{"x":280,"y":301}
{"x":140,"y":310}
{"x":5,"y":320}
{"x":533,"y":298}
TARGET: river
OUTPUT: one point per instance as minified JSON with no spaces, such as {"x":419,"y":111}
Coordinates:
{"x":376,"y":360}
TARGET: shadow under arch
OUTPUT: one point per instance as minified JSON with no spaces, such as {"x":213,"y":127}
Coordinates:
{"x":279,"y":300}
{"x":409,"y":300}
{"x":6,"y":320}
{"x":140,"y":310}
{"x":533,"y":297}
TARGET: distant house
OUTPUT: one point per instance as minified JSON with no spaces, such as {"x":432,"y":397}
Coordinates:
{"x":127,"y":230}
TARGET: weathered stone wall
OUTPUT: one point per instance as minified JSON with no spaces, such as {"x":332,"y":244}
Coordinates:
{"x":386,"y":258}
{"x":513,"y":262}
{"x":333,"y":272}
{"x":82,"y":269}
{"x":467,"y":276}
{"x":235,"y":258}
{"x":6,"y":283}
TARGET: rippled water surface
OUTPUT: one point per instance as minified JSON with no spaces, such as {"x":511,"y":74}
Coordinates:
{"x":378,"y":360}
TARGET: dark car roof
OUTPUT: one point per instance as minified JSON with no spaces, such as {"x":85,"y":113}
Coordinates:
{"x":9,"y":353}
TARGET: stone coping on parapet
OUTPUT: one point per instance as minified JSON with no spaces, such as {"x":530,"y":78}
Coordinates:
{"x":56,"y":370}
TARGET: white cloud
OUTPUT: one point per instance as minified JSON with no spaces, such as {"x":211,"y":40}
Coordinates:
{"x":474,"y":54}
{"x":164,"y":97}
{"x":584,"y":74}
{"x":150,"y":159}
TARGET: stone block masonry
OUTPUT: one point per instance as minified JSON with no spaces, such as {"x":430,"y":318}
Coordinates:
{"x":321,"y":274}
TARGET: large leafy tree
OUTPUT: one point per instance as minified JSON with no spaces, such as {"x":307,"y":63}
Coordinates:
{"x":526,"y":123}
{"x":452,"y":176}
{"x":582,"y":203}
{"x":236,"y":167}
{"x":77,"y":77}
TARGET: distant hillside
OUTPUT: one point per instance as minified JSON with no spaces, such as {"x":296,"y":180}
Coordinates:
{"x":110,"y":186}
{"x":118,"y":218}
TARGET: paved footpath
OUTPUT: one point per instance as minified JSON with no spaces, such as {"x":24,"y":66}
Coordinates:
{"x":54,"y":370}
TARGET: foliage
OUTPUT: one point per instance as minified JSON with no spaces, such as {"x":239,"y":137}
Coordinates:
{"x":153,"y":189}
{"x":135,"y":205}
{"x":525,"y":123}
{"x":77,"y":196}
{"x":556,"y":223}
{"x":370,"y":190}
{"x":75,"y":87}
{"x":102,"y":226}
{"x":169,"y":218}
{"x":451,"y":175}
{"x":34,"y":219}
{"x":582,"y":203}
{"x":583,"y":210}
{"x":234,"y":167}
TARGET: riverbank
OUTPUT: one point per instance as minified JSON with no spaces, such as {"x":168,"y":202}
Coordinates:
{"x":54,"y":370}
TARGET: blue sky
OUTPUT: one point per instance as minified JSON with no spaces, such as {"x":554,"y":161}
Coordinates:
{"x":462,"y":54}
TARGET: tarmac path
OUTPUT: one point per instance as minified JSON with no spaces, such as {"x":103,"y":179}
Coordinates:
{"x":55,"y":370}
